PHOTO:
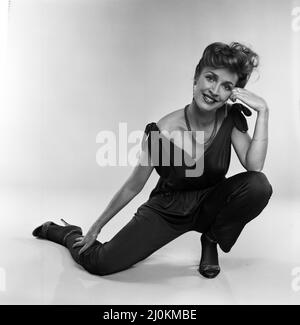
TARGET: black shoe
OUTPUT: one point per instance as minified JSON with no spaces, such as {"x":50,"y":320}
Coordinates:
{"x":53,"y":232}
{"x":209,"y":271}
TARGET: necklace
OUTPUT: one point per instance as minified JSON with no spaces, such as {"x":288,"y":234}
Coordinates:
{"x":213,"y":133}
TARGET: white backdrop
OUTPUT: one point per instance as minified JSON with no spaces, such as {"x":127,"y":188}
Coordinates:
{"x":70,"y":69}
{"x":76,"y":68}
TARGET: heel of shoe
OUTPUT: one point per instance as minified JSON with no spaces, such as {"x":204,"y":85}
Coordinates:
{"x":65,"y":222}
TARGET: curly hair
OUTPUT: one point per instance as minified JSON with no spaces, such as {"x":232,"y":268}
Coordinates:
{"x":235,"y":57}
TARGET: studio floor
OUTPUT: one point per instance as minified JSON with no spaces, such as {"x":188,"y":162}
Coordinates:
{"x":262,"y":268}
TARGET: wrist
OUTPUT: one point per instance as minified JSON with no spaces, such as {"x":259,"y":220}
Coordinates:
{"x":97,"y":226}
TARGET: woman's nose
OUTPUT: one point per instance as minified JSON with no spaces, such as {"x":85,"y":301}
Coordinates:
{"x":215,"y":90}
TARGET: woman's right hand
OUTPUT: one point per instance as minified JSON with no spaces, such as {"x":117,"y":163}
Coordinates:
{"x":87,"y":240}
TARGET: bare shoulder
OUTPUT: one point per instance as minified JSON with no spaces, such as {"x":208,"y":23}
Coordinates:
{"x":172,"y":121}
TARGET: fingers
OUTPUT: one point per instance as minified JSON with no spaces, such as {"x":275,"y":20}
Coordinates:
{"x":85,"y":247}
{"x":237,"y":90}
{"x":238,"y":93}
{"x":234,"y":94}
{"x":83,"y":241}
{"x":79,"y":242}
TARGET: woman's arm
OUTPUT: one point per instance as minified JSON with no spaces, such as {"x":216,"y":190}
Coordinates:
{"x":252,"y":152}
{"x":128,"y":191}
{"x":133,"y":185}
{"x":257,"y":151}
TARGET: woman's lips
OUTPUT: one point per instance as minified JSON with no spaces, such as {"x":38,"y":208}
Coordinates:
{"x":209,"y":99}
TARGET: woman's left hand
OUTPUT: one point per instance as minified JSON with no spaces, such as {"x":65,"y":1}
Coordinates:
{"x":252,"y":100}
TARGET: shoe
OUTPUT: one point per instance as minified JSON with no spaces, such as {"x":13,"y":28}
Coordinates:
{"x":53,"y":232}
{"x":41,"y":231}
{"x":72,"y":229}
{"x":209,"y":271}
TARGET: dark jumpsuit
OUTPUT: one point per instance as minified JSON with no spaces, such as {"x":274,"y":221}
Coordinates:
{"x":178,"y":204}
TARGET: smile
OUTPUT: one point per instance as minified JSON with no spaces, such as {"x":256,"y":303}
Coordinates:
{"x":208,"y":99}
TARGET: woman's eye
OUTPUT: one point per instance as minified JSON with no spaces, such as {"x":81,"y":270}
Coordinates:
{"x":209,"y":78}
{"x":228,"y":88}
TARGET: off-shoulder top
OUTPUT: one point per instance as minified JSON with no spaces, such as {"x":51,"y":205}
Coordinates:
{"x":216,"y":157}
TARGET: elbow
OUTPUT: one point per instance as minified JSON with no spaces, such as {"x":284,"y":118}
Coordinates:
{"x":253,"y":168}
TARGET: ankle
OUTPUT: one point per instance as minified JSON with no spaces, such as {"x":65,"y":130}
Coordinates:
{"x":76,"y":231}
{"x":210,"y":237}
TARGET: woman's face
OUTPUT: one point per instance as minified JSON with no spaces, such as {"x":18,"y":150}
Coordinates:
{"x":213,"y":87}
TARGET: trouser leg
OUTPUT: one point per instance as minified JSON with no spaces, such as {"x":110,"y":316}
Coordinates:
{"x":145,"y":233}
{"x":231,"y":205}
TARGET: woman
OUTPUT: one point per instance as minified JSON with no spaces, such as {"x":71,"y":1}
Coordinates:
{"x":209,"y":203}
